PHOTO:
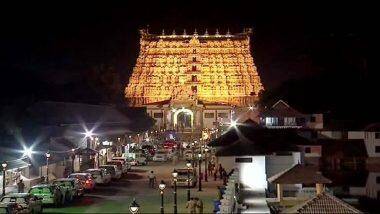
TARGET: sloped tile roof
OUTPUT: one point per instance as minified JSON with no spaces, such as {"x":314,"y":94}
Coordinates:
{"x":323,"y":203}
{"x":299,"y":174}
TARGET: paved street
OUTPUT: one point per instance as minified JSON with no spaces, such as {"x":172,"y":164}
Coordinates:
{"x":117,"y":196}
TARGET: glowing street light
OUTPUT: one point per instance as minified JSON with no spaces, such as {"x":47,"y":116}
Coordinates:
{"x":134,"y":207}
{"x":28,"y":152}
{"x":162,"y":186}
{"x":175,"y":175}
{"x":233,"y":123}
{"x":47,"y":154}
{"x":4,"y":165}
{"x":188,"y":164}
{"x":200,"y":171}
{"x":88,"y":134}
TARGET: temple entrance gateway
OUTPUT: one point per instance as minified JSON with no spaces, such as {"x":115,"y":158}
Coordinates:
{"x":183,"y":118}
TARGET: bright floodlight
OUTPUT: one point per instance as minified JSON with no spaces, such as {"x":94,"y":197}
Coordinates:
{"x":199,"y":155}
{"x":162,"y":185}
{"x":251,"y":108}
{"x":88,"y":133}
{"x":233,"y":123}
{"x":188,"y":164}
{"x":27,"y":152}
{"x":4,"y":165}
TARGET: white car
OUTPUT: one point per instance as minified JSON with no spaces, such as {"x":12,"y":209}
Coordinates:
{"x":125,"y":162}
{"x":182,"y":179}
{"x":138,"y":160}
{"x":160,"y":157}
{"x":101,"y":176}
{"x":113,"y":170}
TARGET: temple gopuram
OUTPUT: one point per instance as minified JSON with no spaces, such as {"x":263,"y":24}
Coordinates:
{"x":195,"y":81}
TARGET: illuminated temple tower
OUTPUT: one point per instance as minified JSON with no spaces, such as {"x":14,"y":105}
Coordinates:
{"x":193,"y":81}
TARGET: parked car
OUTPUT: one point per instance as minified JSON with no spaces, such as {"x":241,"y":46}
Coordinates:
{"x":125,"y":162}
{"x":85,"y":179}
{"x":101,"y":176}
{"x":160,"y":156}
{"x":50,"y":194}
{"x":188,"y":154}
{"x":26,"y":203}
{"x":115,"y":173}
{"x":71,"y":187}
{"x":138,"y":159}
{"x":9,"y":208}
{"x":120,"y":166}
{"x":183,"y":177}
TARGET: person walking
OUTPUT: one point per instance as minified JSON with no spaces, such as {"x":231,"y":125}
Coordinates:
{"x":210,"y":168}
{"x":224,"y":176}
{"x":152,"y":179}
{"x":199,"y":205}
{"x":191,"y":205}
{"x":220,"y":171}
{"x":20,"y":186}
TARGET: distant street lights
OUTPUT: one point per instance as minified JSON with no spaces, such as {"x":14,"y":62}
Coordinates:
{"x":4,"y":165}
{"x":162,"y":186}
{"x":47,"y":154}
{"x":175,"y":174}
{"x":188,"y":164}
{"x":134,"y":207}
{"x":200,"y":172}
{"x":206,"y":167}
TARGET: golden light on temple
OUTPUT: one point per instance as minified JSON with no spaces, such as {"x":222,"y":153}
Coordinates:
{"x":211,"y":68}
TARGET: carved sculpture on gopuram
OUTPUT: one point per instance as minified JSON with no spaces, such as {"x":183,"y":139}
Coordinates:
{"x":215,"y":68}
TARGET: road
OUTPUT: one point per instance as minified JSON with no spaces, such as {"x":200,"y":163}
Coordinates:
{"x":117,"y":196}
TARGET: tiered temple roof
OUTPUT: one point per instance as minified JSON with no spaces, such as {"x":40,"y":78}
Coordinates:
{"x":210,"y":68}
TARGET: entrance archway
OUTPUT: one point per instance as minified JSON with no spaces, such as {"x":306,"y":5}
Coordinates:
{"x":183,"y":118}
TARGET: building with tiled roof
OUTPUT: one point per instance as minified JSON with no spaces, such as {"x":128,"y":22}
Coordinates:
{"x":323,"y":203}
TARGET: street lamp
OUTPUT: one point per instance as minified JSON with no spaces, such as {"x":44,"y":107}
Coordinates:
{"x":4,"y":165}
{"x":72,"y":159}
{"x":175,"y":174}
{"x":206,"y":167}
{"x":188,"y":164}
{"x":134,"y":207}
{"x":47,"y":154}
{"x":199,"y":173}
{"x":192,"y":153}
{"x":162,"y":186}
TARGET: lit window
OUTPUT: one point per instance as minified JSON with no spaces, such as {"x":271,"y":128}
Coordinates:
{"x":271,"y":121}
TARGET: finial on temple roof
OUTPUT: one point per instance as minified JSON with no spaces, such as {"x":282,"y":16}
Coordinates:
{"x":217,"y":32}
{"x":184,"y":32}
{"x":195,"y":32}
{"x":163,"y":32}
{"x":228,"y":32}
{"x":173,"y":32}
{"x":147,"y":29}
{"x":206,"y":32}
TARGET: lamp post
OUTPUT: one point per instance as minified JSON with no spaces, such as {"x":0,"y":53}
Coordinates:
{"x":188,"y":164}
{"x":4,"y":165}
{"x":175,"y":174}
{"x":72,"y":159}
{"x":134,"y":207}
{"x":192,"y":153}
{"x":162,"y":186}
{"x":199,"y":173}
{"x":206,"y":167}
{"x":47,"y":154}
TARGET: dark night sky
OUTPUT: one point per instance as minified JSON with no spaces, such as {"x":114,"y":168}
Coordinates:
{"x":51,"y":45}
